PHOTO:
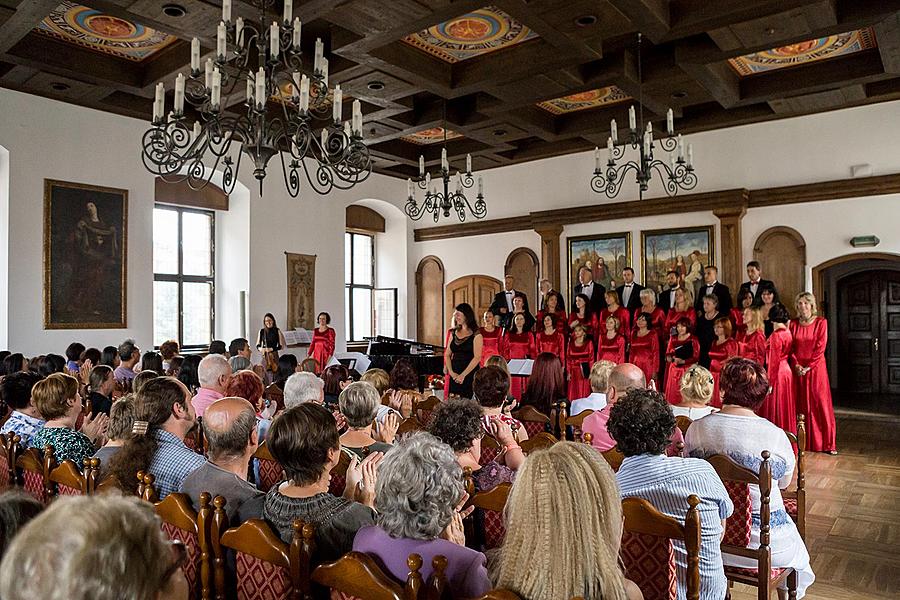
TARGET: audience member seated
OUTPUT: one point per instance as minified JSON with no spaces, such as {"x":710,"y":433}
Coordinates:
{"x":563,"y":529}
{"x":214,"y":373}
{"x":121,"y":422}
{"x":457,"y":423}
{"x":13,"y":363}
{"x":73,"y":356}
{"x":287,"y":366}
{"x":129,"y":355}
{"x":498,"y":361}
{"x":736,"y":431}
{"x":94,"y":548}
{"x":336,"y":378}
{"x":188,"y":374}
{"x":622,"y":378}
{"x":547,"y":384}
{"x":175,"y":366}
{"x":378,"y":378}
{"x":491,"y":389}
{"x":304,"y":440}
{"x":102,"y":386}
{"x":17,"y":508}
{"x":359,"y":403}
{"x":152,"y":361}
{"x":418,"y":500}
{"x":51,"y":363}
{"x":309,"y":365}
{"x":141,"y":379}
{"x":163,"y":415}
{"x":110,"y":357}
{"x":239,"y":363}
{"x":230,"y":429}
{"x":58,"y":401}
{"x":240,"y":347}
{"x":696,"y":387}
{"x":303,"y":387}
{"x":642,"y":424}
{"x":217,"y":347}
{"x":168,"y":350}
{"x":90,"y":357}
{"x":599,"y":382}
{"x":15,"y":392}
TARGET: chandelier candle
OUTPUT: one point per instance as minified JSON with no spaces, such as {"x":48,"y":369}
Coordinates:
{"x":179,"y":94}
{"x":295,"y":37}
{"x":221,"y":44}
{"x":288,"y":8}
{"x":274,"y":41}
{"x":336,"y":104}
{"x":195,"y":55}
{"x":238,"y":32}
{"x":226,"y":11}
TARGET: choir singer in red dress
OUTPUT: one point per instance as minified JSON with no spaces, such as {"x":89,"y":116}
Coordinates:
{"x":583,"y":316}
{"x":745,"y":301}
{"x":722,"y":348}
{"x":611,"y":345}
{"x":550,"y":339}
{"x":553,"y":307}
{"x":518,"y":343}
{"x":579,"y":360}
{"x":491,"y":336}
{"x":780,"y":406}
{"x":682,"y":352}
{"x":644,"y":349}
{"x":753,"y":346}
{"x":321,"y":347}
{"x":614,"y":309}
{"x":810,"y":336}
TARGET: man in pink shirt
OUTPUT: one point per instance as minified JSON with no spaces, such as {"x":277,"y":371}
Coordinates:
{"x":214,"y":373}
{"x":624,"y":377}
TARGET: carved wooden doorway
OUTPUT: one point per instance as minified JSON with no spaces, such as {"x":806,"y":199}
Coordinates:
{"x":523,"y":265}
{"x":781,"y":252}
{"x":477,"y":290}
{"x":430,"y":323}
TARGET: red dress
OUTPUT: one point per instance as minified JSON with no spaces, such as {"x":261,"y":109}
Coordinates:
{"x":554,"y":343}
{"x":611,"y":349}
{"x":562,"y":324}
{"x":753,"y":346}
{"x":740,"y":328}
{"x":718,"y":354}
{"x":780,"y":406}
{"x":590,"y":325}
{"x":657,"y":321}
{"x":579,"y":385}
{"x":447,"y":375}
{"x":322,"y":347}
{"x":674,"y":372}
{"x":518,"y":345}
{"x":621,"y":314}
{"x":813,"y":389}
{"x":644,"y":353}
{"x":674,"y":316}
{"x":490,"y":344}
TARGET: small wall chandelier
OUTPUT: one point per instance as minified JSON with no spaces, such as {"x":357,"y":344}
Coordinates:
{"x":437,"y":202}
{"x":677,"y":175}
{"x":266,"y":63}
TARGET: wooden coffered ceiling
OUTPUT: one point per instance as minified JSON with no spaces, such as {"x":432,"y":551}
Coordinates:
{"x":518,"y":80}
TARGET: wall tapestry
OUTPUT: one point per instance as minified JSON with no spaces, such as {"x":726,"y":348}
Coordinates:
{"x":301,"y":290}
{"x":686,"y":251}
{"x":606,"y":255}
{"x":85,"y":232}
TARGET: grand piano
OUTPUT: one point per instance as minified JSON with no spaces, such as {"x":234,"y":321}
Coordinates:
{"x":385,"y":351}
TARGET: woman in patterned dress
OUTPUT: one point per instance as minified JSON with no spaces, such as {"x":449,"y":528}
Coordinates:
{"x":58,"y":401}
{"x":321,"y":347}
{"x":580,"y":351}
{"x":611,"y":345}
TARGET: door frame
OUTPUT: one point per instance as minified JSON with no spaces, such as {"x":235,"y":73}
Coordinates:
{"x":419,"y":316}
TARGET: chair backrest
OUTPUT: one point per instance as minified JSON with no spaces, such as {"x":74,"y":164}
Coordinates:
{"x":270,"y":471}
{"x":647,"y":551}
{"x":339,"y":475}
{"x":145,"y":489}
{"x":795,"y":500}
{"x":490,"y":505}
{"x":424,"y":409}
{"x":91,"y":475}
{"x":69,"y":480}
{"x":575,"y":422}
{"x":490,"y":449}
{"x":357,"y":575}
{"x":614,"y":457}
{"x":7,"y":459}
{"x":533,"y":420}
{"x":36,"y":466}
{"x":539,"y":441}
{"x":408,"y":426}
{"x":683,"y":422}
{"x":181,"y":522}
{"x":195,"y":440}
{"x":273,"y":393}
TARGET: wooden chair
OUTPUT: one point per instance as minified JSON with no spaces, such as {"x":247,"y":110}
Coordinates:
{"x":795,"y":499}
{"x":424,"y":409}
{"x":533,"y":420}
{"x":339,"y":475}
{"x":34,"y":465}
{"x":499,"y":594}
{"x":357,"y":575}
{"x":9,"y":443}
{"x":490,"y":449}
{"x":145,"y":489}
{"x":274,"y":394}
{"x":647,"y":551}
{"x":575,"y":422}
{"x":270,"y":472}
{"x":69,"y":480}
{"x":181,"y":522}
{"x":683,"y":422}
{"x":614,"y":457}
{"x":195,"y":440}
{"x":408,"y":426}
{"x":490,"y":506}
{"x":541,"y":440}
{"x":266,"y":567}
{"x":91,"y":475}
{"x":737,"y":480}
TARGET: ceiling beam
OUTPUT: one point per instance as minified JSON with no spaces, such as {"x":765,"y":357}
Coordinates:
{"x":650,"y":17}
{"x":28,"y":15}
{"x":888,"y":35}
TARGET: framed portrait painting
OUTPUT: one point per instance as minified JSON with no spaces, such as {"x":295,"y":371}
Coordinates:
{"x":85,"y":245}
{"x":605,"y":254}
{"x":686,"y":251}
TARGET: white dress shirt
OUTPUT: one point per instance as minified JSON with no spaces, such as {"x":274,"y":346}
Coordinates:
{"x":754,"y":285}
{"x":509,"y":299}
{"x":626,"y":293}
{"x":588,"y":289}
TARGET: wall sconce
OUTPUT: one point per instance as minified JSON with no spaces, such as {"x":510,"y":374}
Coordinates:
{"x":865,"y":241}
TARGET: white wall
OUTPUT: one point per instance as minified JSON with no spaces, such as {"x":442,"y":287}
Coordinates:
{"x":232,"y":264}
{"x":4,"y":247}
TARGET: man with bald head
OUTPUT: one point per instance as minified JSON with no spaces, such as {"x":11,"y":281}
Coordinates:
{"x":230,"y":429}
{"x":214,"y":374}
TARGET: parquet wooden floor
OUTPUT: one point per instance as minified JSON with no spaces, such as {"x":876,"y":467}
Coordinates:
{"x":853,"y":523}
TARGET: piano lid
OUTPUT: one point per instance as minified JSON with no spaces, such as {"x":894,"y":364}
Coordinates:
{"x":384,"y":345}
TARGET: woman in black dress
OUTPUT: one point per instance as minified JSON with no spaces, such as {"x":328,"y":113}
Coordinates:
{"x":705,"y":324}
{"x":269,"y":342}
{"x":463,"y":354}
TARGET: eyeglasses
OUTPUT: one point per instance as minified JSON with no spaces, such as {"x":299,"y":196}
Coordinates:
{"x":180,"y":558}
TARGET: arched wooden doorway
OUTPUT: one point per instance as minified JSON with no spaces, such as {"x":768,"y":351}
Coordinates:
{"x":430,"y":324}
{"x":523,"y":265}
{"x":477,"y":290}
{"x":781,"y":252}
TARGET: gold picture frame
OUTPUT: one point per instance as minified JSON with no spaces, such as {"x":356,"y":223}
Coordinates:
{"x":85,"y":254}
{"x":687,"y":243}
{"x":595,"y":246}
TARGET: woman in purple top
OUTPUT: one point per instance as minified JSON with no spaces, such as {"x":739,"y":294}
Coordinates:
{"x":418,"y":497}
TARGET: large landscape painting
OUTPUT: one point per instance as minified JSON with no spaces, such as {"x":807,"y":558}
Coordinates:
{"x":605,"y":255}
{"x":686,"y":251}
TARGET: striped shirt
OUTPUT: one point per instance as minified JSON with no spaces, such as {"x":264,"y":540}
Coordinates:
{"x":172,"y":462}
{"x":666,"y":483}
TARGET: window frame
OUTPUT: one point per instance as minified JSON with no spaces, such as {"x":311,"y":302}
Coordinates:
{"x":350,"y":286}
{"x":180,"y":278}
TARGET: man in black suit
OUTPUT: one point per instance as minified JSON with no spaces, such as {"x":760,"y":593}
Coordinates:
{"x":546,"y":288}
{"x":594,"y":291}
{"x":502,"y":306}
{"x":757,"y":284}
{"x":711,"y":285}
{"x":629,"y":292}
{"x":667,"y":296}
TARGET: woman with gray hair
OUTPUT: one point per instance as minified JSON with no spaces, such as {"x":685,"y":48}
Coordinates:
{"x":359,"y":403}
{"x":418,"y":497}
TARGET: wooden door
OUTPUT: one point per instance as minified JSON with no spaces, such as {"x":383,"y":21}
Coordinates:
{"x":476,"y":290}
{"x":430,"y":301}
{"x":869,"y":332}
{"x":522,"y":264}
{"x":781,"y":252}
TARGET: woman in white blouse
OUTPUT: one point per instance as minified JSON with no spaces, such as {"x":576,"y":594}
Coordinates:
{"x":696,"y":391}
{"x":739,"y":433}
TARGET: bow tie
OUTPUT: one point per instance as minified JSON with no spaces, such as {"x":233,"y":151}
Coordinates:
{"x":509,"y":293}
{"x":628,"y":285}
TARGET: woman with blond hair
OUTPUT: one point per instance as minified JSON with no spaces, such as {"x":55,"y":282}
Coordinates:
{"x":563,"y":529}
{"x":696,"y":390}
{"x":810,"y":336}
{"x":753,"y":344}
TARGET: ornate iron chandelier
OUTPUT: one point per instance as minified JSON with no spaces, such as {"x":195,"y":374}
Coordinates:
{"x":265,"y":63}
{"x":677,"y":175}
{"x":437,"y":202}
